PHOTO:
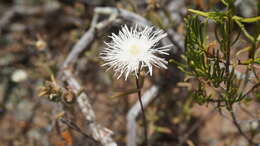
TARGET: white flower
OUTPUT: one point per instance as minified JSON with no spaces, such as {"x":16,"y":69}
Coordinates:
{"x":133,"y":48}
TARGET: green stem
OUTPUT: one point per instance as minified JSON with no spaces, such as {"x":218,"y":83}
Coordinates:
{"x":228,"y":48}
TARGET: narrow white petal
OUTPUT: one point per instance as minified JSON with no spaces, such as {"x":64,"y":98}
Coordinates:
{"x":132,"y":47}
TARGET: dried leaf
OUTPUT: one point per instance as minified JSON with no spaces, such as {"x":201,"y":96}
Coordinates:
{"x":67,"y":137}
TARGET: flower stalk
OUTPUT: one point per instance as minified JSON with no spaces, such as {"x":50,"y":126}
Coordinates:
{"x":142,"y":108}
{"x":133,"y":49}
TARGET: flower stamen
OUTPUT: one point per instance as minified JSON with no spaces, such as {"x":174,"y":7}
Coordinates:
{"x":134,"y":50}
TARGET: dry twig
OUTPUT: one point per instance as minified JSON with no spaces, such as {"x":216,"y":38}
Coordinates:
{"x":98,"y":132}
{"x":242,"y":133}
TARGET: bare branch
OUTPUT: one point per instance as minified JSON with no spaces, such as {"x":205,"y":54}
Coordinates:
{"x":6,"y":18}
{"x":98,"y":132}
{"x":234,"y":119}
{"x":85,"y":40}
{"x":123,"y":14}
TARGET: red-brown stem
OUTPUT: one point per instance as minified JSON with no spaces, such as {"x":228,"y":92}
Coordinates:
{"x":142,"y":107}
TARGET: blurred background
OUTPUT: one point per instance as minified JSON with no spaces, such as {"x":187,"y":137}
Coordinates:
{"x":36,"y":37}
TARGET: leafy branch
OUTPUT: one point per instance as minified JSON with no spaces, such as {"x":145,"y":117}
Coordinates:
{"x":213,"y":66}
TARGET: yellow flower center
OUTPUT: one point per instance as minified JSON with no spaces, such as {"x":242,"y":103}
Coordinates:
{"x":134,"y":50}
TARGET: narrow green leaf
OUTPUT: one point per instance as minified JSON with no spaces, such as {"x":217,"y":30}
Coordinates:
{"x":246,"y":20}
{"x":201,"y":13}
{"x":125,"y":93}
{"x":246,"y":49}
{"x":242,"y":27}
